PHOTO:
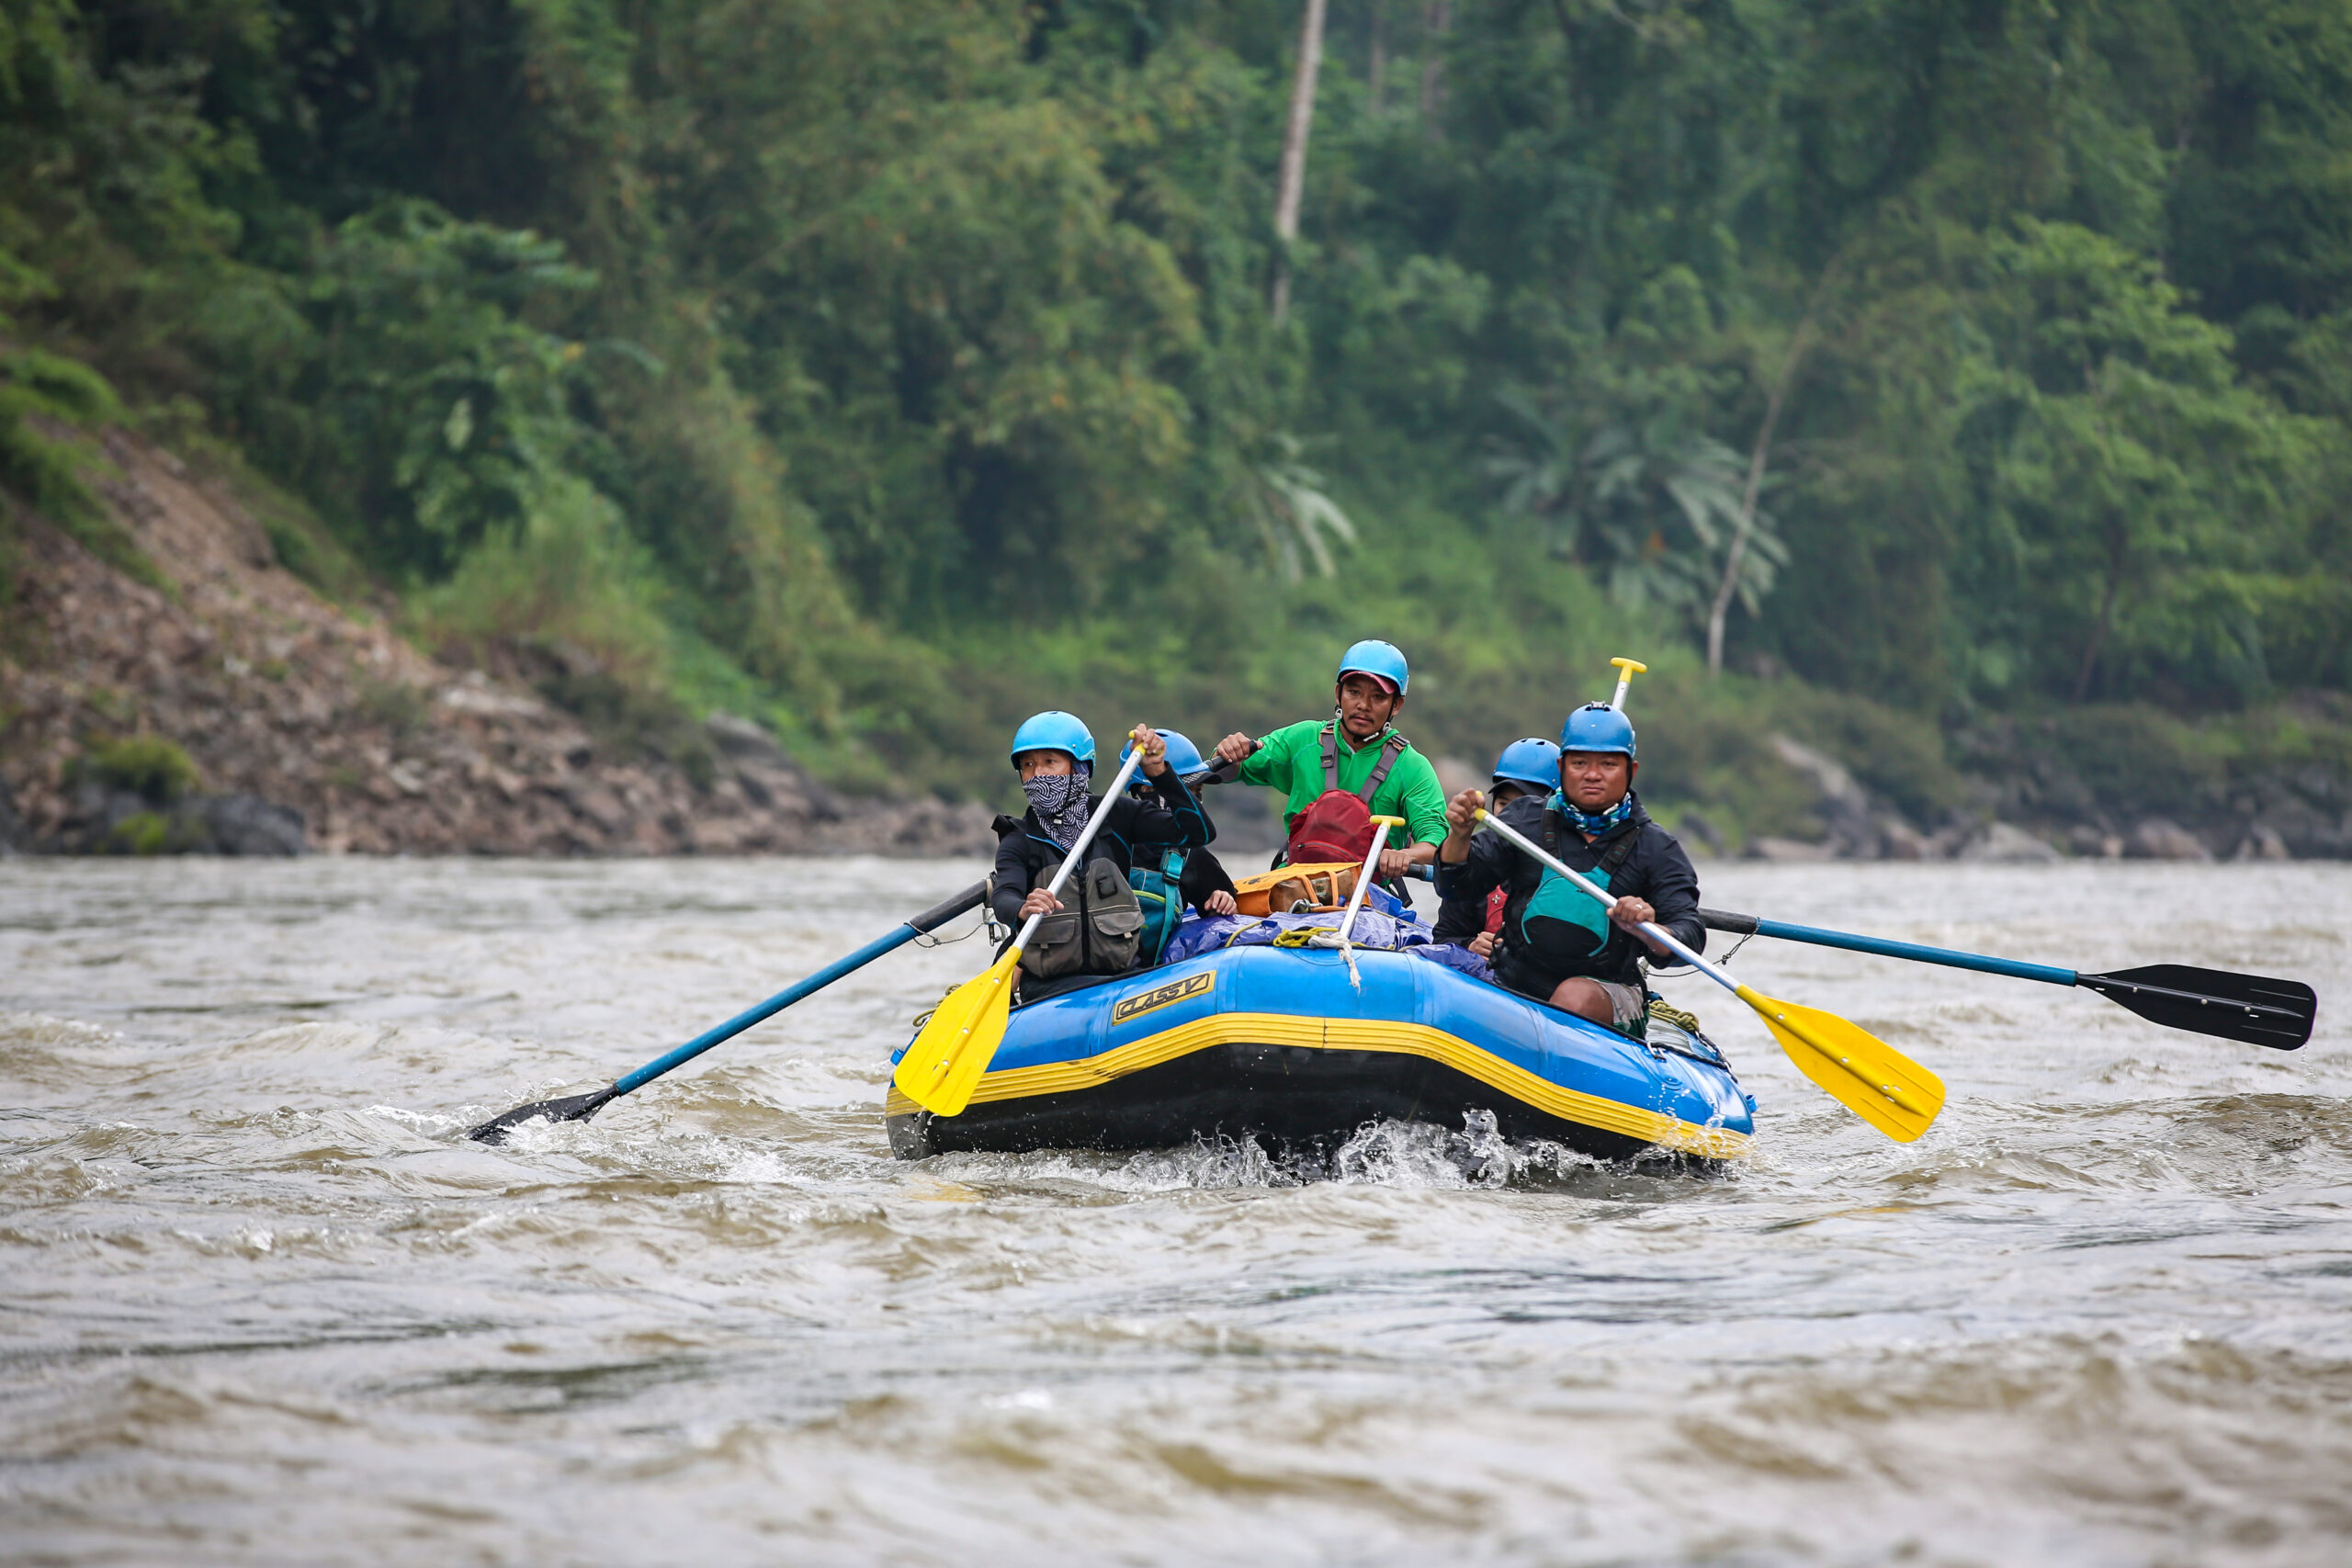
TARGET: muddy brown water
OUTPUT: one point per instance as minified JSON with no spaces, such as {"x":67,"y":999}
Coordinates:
{"x":261,"y":1302}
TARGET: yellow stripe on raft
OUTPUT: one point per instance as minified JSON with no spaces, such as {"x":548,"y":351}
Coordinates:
{"x":1350,"y":1034}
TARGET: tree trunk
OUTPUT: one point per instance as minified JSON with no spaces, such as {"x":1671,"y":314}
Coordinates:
{"x":2118,"y":547}
{"x":1437,"y":20}
{"x":1291,"y":182}
{"x":1377,"y":77}
{"x":1758,"y":457}
{"x":2116,"y":561}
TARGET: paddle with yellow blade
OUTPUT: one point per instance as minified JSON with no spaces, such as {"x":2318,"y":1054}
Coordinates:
{"x":1869,"y":1078}
{"x":943,"y":1064}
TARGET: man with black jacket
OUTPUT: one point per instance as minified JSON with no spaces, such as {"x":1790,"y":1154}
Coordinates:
{"x":1557,"y":944}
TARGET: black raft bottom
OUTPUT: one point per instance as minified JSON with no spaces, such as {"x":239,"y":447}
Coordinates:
{"x":1280,"y":1095}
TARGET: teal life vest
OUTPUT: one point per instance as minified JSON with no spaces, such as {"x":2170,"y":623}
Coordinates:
{"x":1159,"y":885}
{"x":1560,"y":924}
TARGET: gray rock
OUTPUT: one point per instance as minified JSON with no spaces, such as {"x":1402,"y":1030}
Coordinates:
{"x":1897,"y":839}
{"x":13,"y":840}
{"x":740,"y":737}
{"x":2086,"y":840}
{"x":2002,"y":843}
{"x":2306,"y":832}
{"x":2154,"y":837}
{"x":1845,"y":806}
{"x":248,"y":825}
{"x":2262,"y":842}
{"x":1694,"y":826}
{"x":768,"y":775}
{"x":599,"y":805}
{"x":1789,"y":850}
{"x":915,"y":828}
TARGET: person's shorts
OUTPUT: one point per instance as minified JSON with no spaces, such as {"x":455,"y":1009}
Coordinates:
{"x":1628,"y":1005}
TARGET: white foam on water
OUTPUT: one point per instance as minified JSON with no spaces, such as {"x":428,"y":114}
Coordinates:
{"x":262,"y":1296}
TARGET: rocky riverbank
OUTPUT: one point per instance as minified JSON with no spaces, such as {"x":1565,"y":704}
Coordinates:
{"x":2114,"y":782}
{"x":2029,"y":797}
{"x":305,"y":726}
{"x":233,"y":709}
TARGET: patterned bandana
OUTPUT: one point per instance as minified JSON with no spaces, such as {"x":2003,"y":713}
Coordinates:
{"x":1060,"y":803}
{"x":1593,"y":822}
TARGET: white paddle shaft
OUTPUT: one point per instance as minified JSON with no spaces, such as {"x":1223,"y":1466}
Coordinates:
{"x":1086,"y":835}
{"x":1650,"y":929}
{"x":1380,"y":826}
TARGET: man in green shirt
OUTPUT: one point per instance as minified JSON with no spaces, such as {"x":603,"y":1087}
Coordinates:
{"x":1369,"y":694}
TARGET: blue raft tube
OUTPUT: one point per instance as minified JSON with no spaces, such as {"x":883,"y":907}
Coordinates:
{"x":1277,"y":1044}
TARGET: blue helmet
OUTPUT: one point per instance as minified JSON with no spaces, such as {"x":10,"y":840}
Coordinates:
{"x":1055,"y":731}
{"x":1533,"y":760}
{"x":1182,"y":755}
{"x":1373,"y":656}
{"x":1597,"y":726}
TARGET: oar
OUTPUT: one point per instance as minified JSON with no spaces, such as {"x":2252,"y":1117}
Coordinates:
{"x":580,"y":1107}
{"x":1380,"y":826}
{"x":944,"y":1062}
{"x":2255,"y":1009}
{"x":1869,"y":1078}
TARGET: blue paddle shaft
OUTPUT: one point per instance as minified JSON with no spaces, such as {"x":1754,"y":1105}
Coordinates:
{"x":793,"y":993}
{"x":1946,"y":956}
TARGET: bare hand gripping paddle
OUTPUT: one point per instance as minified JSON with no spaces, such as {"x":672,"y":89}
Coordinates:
{"x":947,"y":1056}
{"x":1869,"y":1078}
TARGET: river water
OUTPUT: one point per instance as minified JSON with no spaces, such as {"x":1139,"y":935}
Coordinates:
{"x":261,"y":1302}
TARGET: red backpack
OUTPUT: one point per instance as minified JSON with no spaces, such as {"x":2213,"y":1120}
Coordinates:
{"x":1337,"y":825}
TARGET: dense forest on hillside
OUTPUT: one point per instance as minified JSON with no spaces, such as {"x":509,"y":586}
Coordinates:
{"x":885,"y":370}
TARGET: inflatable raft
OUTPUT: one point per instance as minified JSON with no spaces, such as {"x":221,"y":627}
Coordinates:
{"x":1276,"y":1044}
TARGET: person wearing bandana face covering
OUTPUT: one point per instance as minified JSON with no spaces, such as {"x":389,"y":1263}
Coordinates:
{"x":1557,"y":943}
{"x":1053,"y":753}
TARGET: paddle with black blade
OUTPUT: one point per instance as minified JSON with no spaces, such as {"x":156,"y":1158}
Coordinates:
{"x":2255,"y":1009}
{"x":1869,"y":1078}
{"x":580,"y":1107}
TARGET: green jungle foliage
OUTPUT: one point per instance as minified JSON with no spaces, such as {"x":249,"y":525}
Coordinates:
{"x":147,"y":764}
{"x":888,"y":369}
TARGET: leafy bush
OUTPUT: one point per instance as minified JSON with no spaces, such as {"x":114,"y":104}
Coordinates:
{"x":417,"y":403}
{"x":2138,"y":756}
{"x":148,"y":764}
{"x":140,"y":833}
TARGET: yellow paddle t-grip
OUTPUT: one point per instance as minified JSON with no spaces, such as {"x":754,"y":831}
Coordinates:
{"x":1626,"y":670}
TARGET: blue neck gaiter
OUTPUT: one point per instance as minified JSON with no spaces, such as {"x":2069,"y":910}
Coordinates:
{"x":1593,"y":822}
